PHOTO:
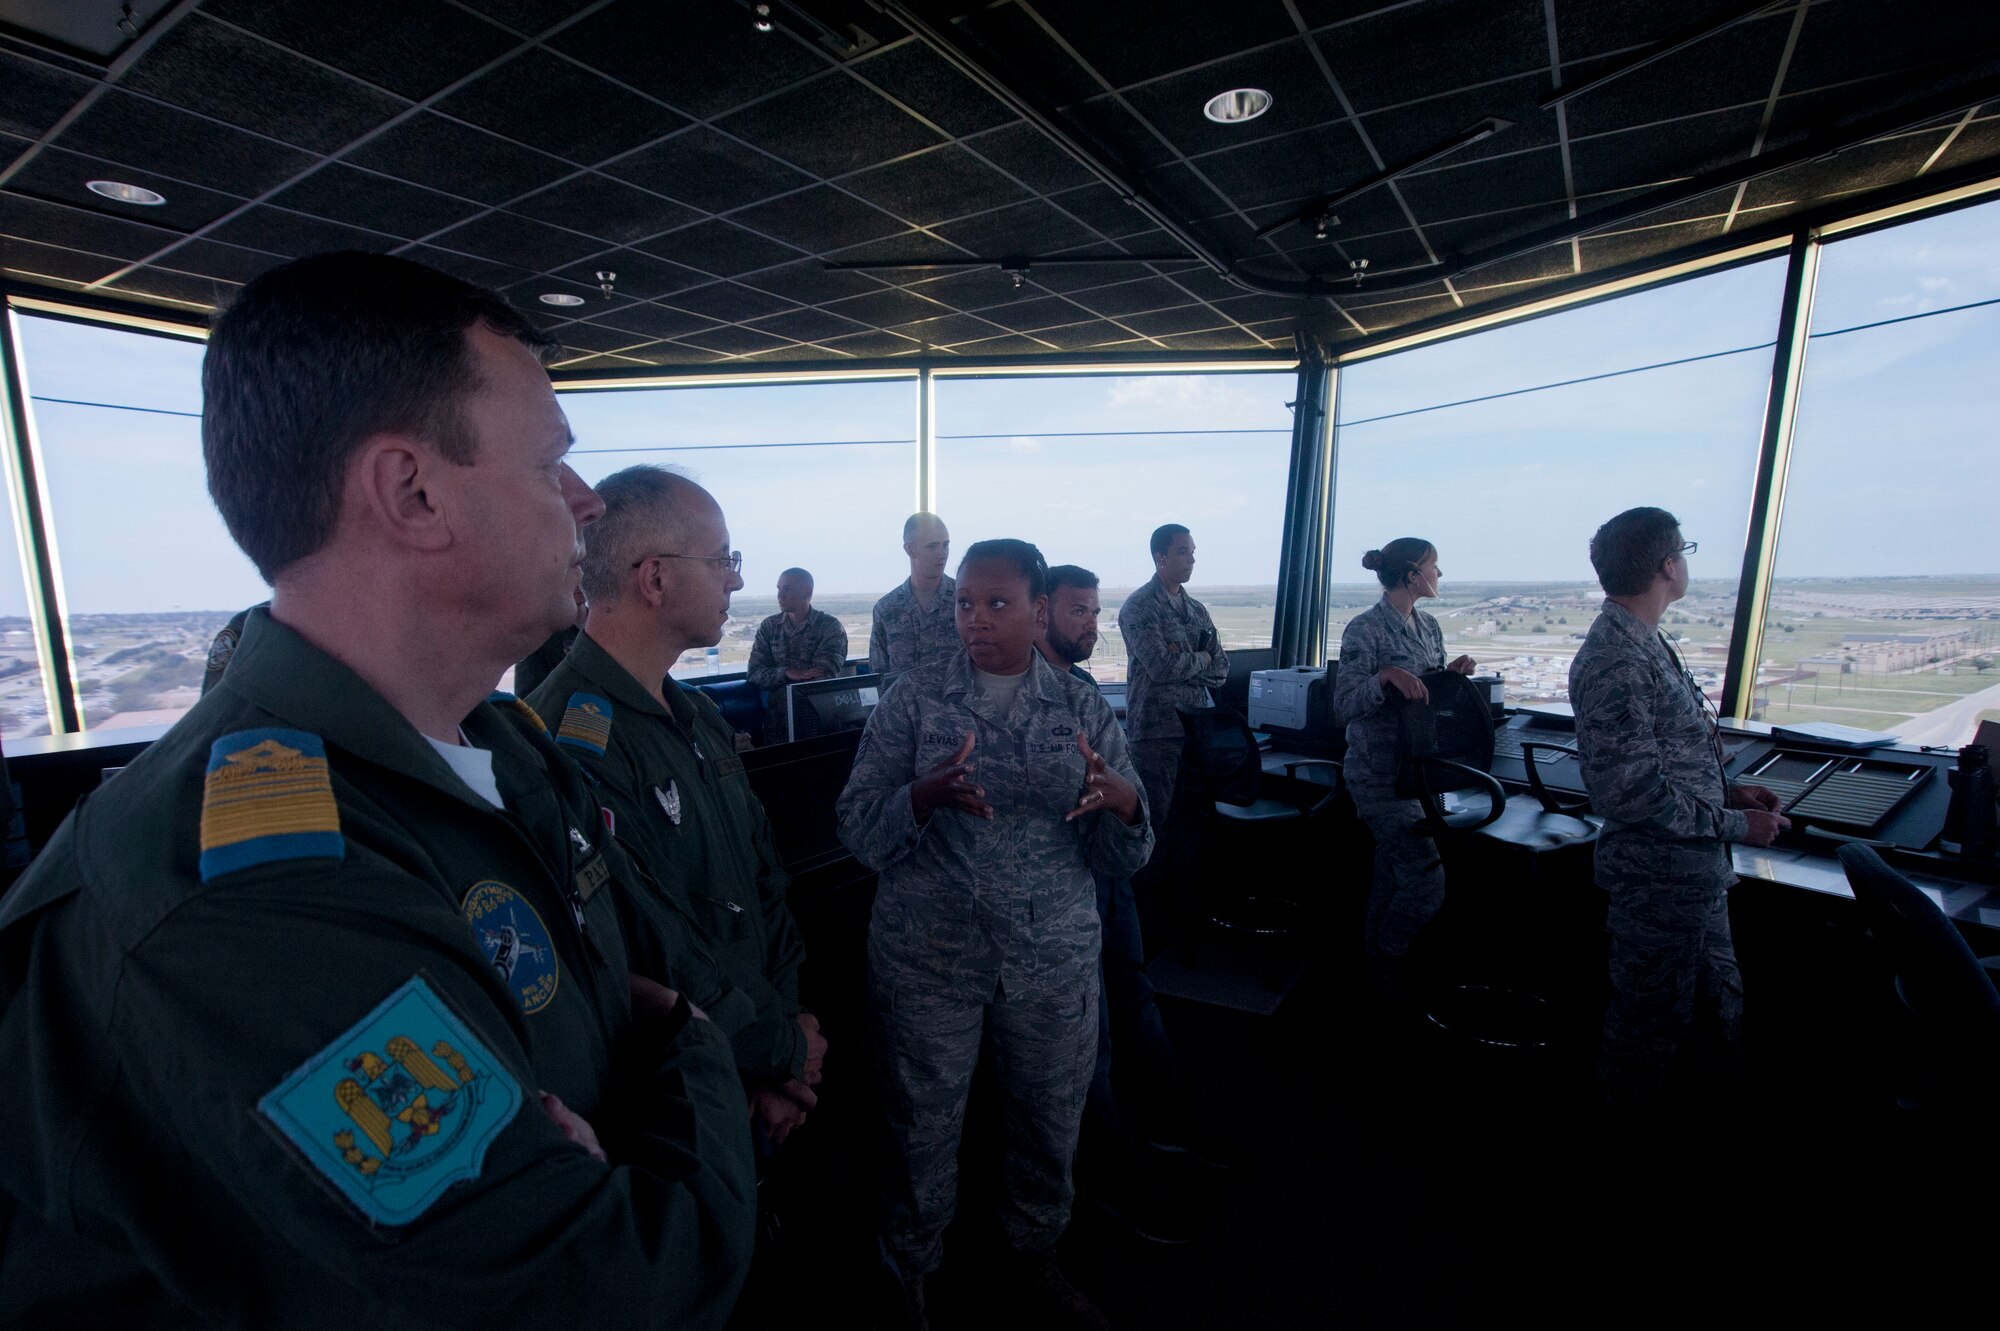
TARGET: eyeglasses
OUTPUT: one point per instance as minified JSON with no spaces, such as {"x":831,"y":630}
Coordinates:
{"x":733,"y":560}
{"x":1689,"y":547}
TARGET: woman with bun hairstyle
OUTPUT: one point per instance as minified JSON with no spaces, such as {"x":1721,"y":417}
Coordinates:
{"x":1384,"y":650}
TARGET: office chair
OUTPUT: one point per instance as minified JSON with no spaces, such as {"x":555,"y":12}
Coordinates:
{"x":1237,"y":814}
{"x":1943,"y":987}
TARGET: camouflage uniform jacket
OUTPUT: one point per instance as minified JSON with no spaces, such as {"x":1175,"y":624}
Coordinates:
{"x":1175,"y":659}
{"x":905,"y":635}
{"x":1374,"y":639}
{"x":782,"y":645}
{"x":1007,"y":902}
{"x":204,"y":948}
{"x":682,"y":805}
{"x":1649,"y":755}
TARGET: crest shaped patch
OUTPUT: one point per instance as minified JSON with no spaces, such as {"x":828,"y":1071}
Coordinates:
{"x":516,"y":942}
{"x":670,"y":801}
{"x":268,"y":796}
{"x":399,"y":1107}
{"x":586,"y":723}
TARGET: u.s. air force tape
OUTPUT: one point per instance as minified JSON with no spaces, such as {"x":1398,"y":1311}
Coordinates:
{"x":398,"y":1107}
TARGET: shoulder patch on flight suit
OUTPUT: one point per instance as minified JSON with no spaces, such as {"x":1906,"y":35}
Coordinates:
{"x":516,"y":943}
{"x":398,"y":1107}
{"x":586,"y":723}
{"x":502,"y":698}
{"x":268,"y":797}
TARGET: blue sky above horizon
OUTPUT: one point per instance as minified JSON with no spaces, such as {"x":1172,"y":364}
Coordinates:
{"x":1895,"y":466}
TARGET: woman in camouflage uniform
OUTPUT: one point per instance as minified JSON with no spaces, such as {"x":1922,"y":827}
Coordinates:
{"x":1385,"y":649}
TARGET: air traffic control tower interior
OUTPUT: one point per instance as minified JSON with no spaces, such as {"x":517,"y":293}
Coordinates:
{"x":1304,"y":276}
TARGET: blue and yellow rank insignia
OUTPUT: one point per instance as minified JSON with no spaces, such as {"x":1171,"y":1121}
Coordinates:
{"x":516,"y":943}
{"x":399,"y":1108}
{"x":268,"y":797}
{"x":586,"y":723}
{"x":502,"y":698}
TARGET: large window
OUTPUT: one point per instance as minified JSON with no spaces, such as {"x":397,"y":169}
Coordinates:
{"x":820,"y":476}
{"x":1507,"y":449}
{"x":1087,"y":466}
{"x":1885,"y":609}
{"x":149,"y":572}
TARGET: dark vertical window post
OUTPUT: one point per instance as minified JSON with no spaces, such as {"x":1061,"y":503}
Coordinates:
{"x":38,"y":567}
{"x":1767,"y":496}
{"x":1298,"y":630}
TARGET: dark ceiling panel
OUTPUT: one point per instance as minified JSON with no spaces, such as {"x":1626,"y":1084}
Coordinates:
{"x":701,"y":58}
{"x":920,"y":79}
{"x":220,"y":71}
{"x":1611,"y":251}
{"x":547,"y":102}
{"x":830,"y":126}
{"x":812,"y":282}
{"x":37,"y":96}
{"x":728,"y":300}
{"x":1415,"y":51}
{"x":806,"y":325}
{"x":123,"y":128}
{"x":1104,"y":212}
{"x":411,"y":47}
{"x":1421,"y":128}
{"x":1031,"y":229}
{"x":482,"y":271}
{"x":1028,"y":156}
{"x":185,"y":288}
{"x":819,"y":218}
{"x":430,"y":150}
{"x":1300,"y":99}
{"x":1005,"y":344}
{"x":379,"y":203}
{"x":1730,"y":70}
{"x":1083,"y":336}
{"x":60,"y":176}
{"x":975,"y":289}
{"x":885,"y":308}
{"x":1146,"y":293}
{"x":604,"y":207}
{"x":1663,"y":152}
{"x":948,"y":330}
{"x":527,"y":17}
{"x":652,"y":320}
{"x":936,"y":186}
{"x":733,"y":341}
{"x":720,"y":248}
{"x":26,"y":258}
{"x":1321,"y":161}
{"x":596,"y":337}
{"x":638,"y":275}
{"x":1486,"y":187}
{"x":1843,"y":42}
{"x":518,"y":241}
{"x":1600,"y":27}
{"x":528,"y":293}
{"x":1219,"y":339}
{"x":1172,"y":35}
{"x":1183,"y":319}
{"x":1040,"y":312}
{"x":79,"y":228}
{"x":707,"y":170}
{"x":872,"y":344}
{"x":279,"y":231}
{"x":207,"y":258}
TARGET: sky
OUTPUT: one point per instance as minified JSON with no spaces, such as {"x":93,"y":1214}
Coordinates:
{"x":1895,"y":466}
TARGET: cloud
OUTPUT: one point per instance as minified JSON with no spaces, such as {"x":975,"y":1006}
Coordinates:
{"x":1023,"y":444}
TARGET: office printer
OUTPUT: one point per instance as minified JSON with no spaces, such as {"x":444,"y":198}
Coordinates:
{"x":1295,"y":705}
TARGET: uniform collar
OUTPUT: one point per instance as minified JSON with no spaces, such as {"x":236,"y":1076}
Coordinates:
{"x":277,"y":670}
{"x":601,"y":669}
{"x":1044,"y":683}
{"x":1629,"y":624}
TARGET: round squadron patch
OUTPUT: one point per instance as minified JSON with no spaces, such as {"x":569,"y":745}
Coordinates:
{"x":517,"y":943}
{"x":222,"y":649}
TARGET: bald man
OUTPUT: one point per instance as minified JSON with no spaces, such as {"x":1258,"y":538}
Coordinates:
{"x":916,"y":624}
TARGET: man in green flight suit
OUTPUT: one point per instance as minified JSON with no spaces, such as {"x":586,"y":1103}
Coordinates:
{"x":321,"y":1009}
{"x":659,"y":574}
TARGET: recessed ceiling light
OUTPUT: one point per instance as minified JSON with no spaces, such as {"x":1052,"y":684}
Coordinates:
{"x":1236,"y":105}
{"x":560,"y":298}
{"x":124,"y":193}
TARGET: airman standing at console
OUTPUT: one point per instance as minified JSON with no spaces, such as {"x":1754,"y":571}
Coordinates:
{"x":1652,"y":762}
{"x":797,"y":644}
{"x":323,"y":1003}
{"x":659,"y":573}
{"x":1175,"y":658}
{"x":913,"y":624}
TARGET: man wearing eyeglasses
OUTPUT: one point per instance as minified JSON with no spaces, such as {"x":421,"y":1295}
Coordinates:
{"x":659,"y":572}
{"x":1654,"y":767}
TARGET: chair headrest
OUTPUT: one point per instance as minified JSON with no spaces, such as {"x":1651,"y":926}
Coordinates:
{"x":1456,"y":722}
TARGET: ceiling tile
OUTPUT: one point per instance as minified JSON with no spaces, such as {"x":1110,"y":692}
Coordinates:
{"x":527,"y":293}
{"x":1146,"y":293}
{"x":638,"y":275}
{"x":61,"y":176}
{"x":604,"y":207}
{"x":872,"y":344}
{"x":807,"y":325}
{"x":1172,"y":35}
{"x":1420,"y":128}
{"x":720,"y":248}
{"x":701,"y":58}
{"x":480,"y":272}
{"x":185,"y":288}
{"x":727,"y":300}
{"x":880,"y":309}
{"x":1028,"y":155}
{"x":28,"y":259}
{"x":708,"y":170}
{"x":220,"y":71}
{"x":1218,"y":339}
{"x":207,"y":258}
{"x":812,"y":282}
{"x":1076,"y":277}
{"x":1005,"y":344}
{"x":37,"y":96}
{"x":528,"y":18}
{"x":379,"y":203}
{"x":278,"y":231}
{"x":1732,"y":70}
{"x":1321,"y":162}
{"x":430,"y":150}
{"x":920,"y":79}
{"x":596,"y":337}
{"x":1486,"y":187}
{"x":1600,"y":27}
{"x":733,"y":341}
{"x":1396,"y":56}
{"x":1601,"y":252}
{"x":1083,"y":336}
{"x":819,"y":218}
{"x":122,"y":128}
{"x":935,"y":186}
{"x":553,"y":104}
{"x":947,"y":330}
{"x":652,"y":320}
{"x":904,"y":247}
{"x":976,"y":289}
{"x":1300,"y":98}
{"x":1042,"y":312}
{"x":518,"y":241}
{"x":1103,"y":211}
{"x":1185,"y":319}
{"x":411,"y":47}
{"x":830,"y":126}
{"x":1031,"y":229}
{"x":1652,"y":154}
{"x":79,"y":228}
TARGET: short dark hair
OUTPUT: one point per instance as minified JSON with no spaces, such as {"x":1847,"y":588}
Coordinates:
{"x":1163,"y":537}
{"x":315,"y":356}
{"x":1628,"y":550}
{"x":1394,"y":562}
{"x":1071,"y":575}
{"x":1020,"y":554}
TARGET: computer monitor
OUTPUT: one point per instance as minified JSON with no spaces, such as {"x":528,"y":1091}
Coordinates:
{"x":1235,"y":691}
{"x":823,"y":706}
